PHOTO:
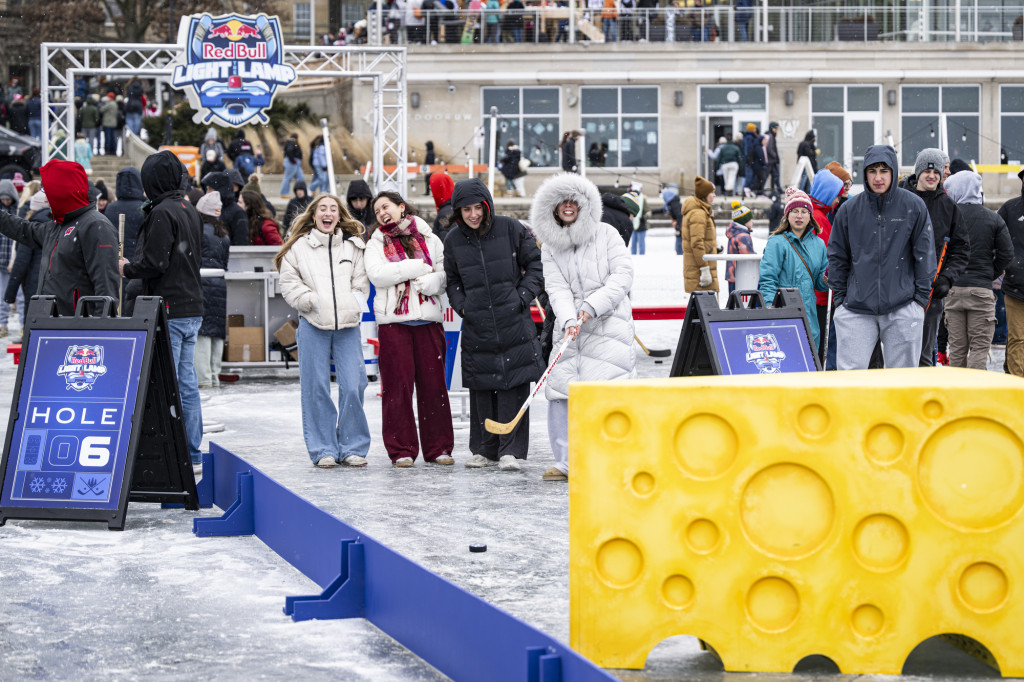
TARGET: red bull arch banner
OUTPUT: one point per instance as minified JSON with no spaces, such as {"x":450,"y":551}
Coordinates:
{"x":231,"y":67}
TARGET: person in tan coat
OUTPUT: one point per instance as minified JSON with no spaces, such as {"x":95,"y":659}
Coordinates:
{"x":699,"y":238}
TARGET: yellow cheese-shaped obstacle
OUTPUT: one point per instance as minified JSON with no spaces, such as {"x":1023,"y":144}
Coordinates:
{"x":847,"y":514}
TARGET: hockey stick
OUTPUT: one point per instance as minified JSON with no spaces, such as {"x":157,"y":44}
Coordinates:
{"x":662,"y":353}
{"x":499,"y":428}
{"x":120,"y":255}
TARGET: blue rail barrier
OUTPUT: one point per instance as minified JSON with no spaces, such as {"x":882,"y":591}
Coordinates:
{"x":361,"y":578}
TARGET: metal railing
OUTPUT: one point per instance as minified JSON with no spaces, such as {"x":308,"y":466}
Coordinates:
{"x":967,"y":21}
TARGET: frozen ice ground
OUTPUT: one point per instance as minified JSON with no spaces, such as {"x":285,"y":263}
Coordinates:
{"x":80,"y":602}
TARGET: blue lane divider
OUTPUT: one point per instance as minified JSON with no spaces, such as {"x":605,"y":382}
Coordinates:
{"x":453,"y":630}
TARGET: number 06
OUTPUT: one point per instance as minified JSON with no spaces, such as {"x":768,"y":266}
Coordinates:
{"x":92,"y":454}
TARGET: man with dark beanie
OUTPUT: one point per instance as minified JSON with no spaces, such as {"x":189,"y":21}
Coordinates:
{"x":167,"y":258}
{"x":79,"y":244}
{"x":947,"y":222}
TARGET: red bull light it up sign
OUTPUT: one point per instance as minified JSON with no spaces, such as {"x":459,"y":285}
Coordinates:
{"x":232,"y":67}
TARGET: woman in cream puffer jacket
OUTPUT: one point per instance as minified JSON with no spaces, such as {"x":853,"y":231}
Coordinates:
{"x":323,"y":276}
{"x":405,"y":262}
{"x":587,"y":274}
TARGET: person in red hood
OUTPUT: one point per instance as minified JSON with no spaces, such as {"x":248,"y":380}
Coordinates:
{"x":79,"y":245}
{"x":441,"y":187}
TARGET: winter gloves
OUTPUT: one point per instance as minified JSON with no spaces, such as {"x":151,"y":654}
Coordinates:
{"x":941,"y":286}
{"x":705,"y":276}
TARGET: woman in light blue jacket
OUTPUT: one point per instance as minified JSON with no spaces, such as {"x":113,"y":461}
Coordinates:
{"x":795,"y":256}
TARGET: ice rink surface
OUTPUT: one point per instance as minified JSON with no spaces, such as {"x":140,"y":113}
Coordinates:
{"x":80,"y":602}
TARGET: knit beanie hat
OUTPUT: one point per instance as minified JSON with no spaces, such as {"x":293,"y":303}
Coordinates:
{"x":797,"y":199}
{"x":633,"y":201}
{"x":752,"y":127}
{"x":957,"y":165}
{"x":210,"y":204}
{"x":38,"y":201}
{"x":930,"y":159}
{"x":839,"y":171}
{"x":19,"y":182}
{"x":740,"y":213}
{"x":702,"y":188}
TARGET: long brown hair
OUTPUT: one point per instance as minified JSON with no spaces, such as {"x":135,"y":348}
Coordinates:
{"x":405,"y":240}
{"x":257,"y":212}
{"x":784,"y":225}
{"x":303,"y":225}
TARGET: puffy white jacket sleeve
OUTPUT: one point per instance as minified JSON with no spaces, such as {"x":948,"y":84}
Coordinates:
{"x":434,"y":282}
{"x":383,"y":273}
{"x":296,"y":292}
{"x":620,"y":273}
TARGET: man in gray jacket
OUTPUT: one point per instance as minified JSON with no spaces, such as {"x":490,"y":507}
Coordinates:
{"x":881,"y":258}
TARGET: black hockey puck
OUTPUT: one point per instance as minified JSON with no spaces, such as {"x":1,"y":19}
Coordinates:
{"x":477,"y":547}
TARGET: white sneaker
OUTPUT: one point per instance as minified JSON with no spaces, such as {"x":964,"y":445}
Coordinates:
{"x":403,"y":462}
{"x":353,"y":461}
{"x":479,"y":462}
{"x":444,"y":459}
{"x":509,"y":463}
{"x":326,"y":462}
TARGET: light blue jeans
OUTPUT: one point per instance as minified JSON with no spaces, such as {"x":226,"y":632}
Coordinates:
{"x":134,"y":122}
{"x":638,"y":242}
{"x":183,"y":331}
{"x":332,"y":432}
{"x":321,"y":181}
{"x":292,"y":171}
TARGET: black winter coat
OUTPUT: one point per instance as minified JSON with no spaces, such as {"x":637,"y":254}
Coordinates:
{"x":215,"y":290}
{"x":991,"y":248}
{"x":569,"y":163}
{"x":1012,"y":213}
{"x":807,"y":148}
{"x":492,"y":280}
{"x":130,"y":197}
{"x":25,"y":269}
{"x":169,"y":249}
{"x":946,"y":221}
{"x":231,"y":214}
{"x":615,"y":213}
{"x":81,"y":254}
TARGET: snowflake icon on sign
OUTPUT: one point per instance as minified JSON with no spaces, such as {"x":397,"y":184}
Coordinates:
{"x":59,"y":485}
{"x":36,"y":485}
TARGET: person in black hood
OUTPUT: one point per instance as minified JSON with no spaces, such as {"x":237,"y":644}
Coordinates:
{"x":128,"y":188}
{"x":947,"y":226}
{"x":296,"y":205}
{"x":231,"y":214}
{"x":358,"y":199}
{"x":494,"y":273}
{"x":615,"y":213}
{"x":167,"y":259}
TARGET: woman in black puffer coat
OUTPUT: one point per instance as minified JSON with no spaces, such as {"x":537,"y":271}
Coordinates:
{"x":216,"y":247}
{"x":494,"y":273}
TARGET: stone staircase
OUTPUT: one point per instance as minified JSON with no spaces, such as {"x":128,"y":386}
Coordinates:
{"x":106,"y":168}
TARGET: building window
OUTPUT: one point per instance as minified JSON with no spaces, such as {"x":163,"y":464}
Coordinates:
{"x":924,"y":107}
{"x":1011,"y":124}
{"x":528,"y":117}
{"x":621,"y":126}
{"x":302,"y":20}
{"x":846,"y":120}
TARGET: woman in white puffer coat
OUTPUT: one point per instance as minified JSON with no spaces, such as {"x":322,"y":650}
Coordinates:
{"x":587,"y":275}
{"x":323,"y":277}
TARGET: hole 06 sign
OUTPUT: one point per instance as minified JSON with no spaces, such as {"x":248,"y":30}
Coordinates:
{"x":96,"y":418}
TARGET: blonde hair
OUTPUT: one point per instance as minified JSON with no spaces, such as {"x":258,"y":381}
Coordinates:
{"x":27,"y":191}
{"x":304,"y":224}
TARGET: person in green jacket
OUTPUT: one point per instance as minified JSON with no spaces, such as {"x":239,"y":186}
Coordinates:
{"x":89,"y":122}
{"x":795,"y":256}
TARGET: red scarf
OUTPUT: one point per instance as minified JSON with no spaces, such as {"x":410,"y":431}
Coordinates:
{"x":395,"y":253}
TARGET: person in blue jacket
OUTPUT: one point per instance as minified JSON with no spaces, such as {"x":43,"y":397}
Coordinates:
{"x":881,"y":263}
{"x":795,"y":256}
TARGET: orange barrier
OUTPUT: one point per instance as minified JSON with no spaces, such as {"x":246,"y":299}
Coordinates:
{"x":187,"y":155}
{"x":450,"y":168}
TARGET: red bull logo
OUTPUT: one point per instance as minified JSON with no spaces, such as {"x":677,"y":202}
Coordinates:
{"x":232,"y":68}
{"x":82,"y":366}
{"x":764,"y":352}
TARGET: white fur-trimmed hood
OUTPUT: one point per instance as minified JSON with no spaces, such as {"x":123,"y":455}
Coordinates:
{"x":550,"y":194}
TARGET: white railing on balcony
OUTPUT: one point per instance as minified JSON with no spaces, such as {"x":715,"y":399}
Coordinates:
{"x":963,"y":20}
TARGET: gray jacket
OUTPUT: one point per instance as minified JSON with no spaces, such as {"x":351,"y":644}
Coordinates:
{"x":881,"y":254}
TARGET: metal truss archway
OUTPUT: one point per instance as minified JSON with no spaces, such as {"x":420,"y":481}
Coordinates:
{"x":383,"y":67}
